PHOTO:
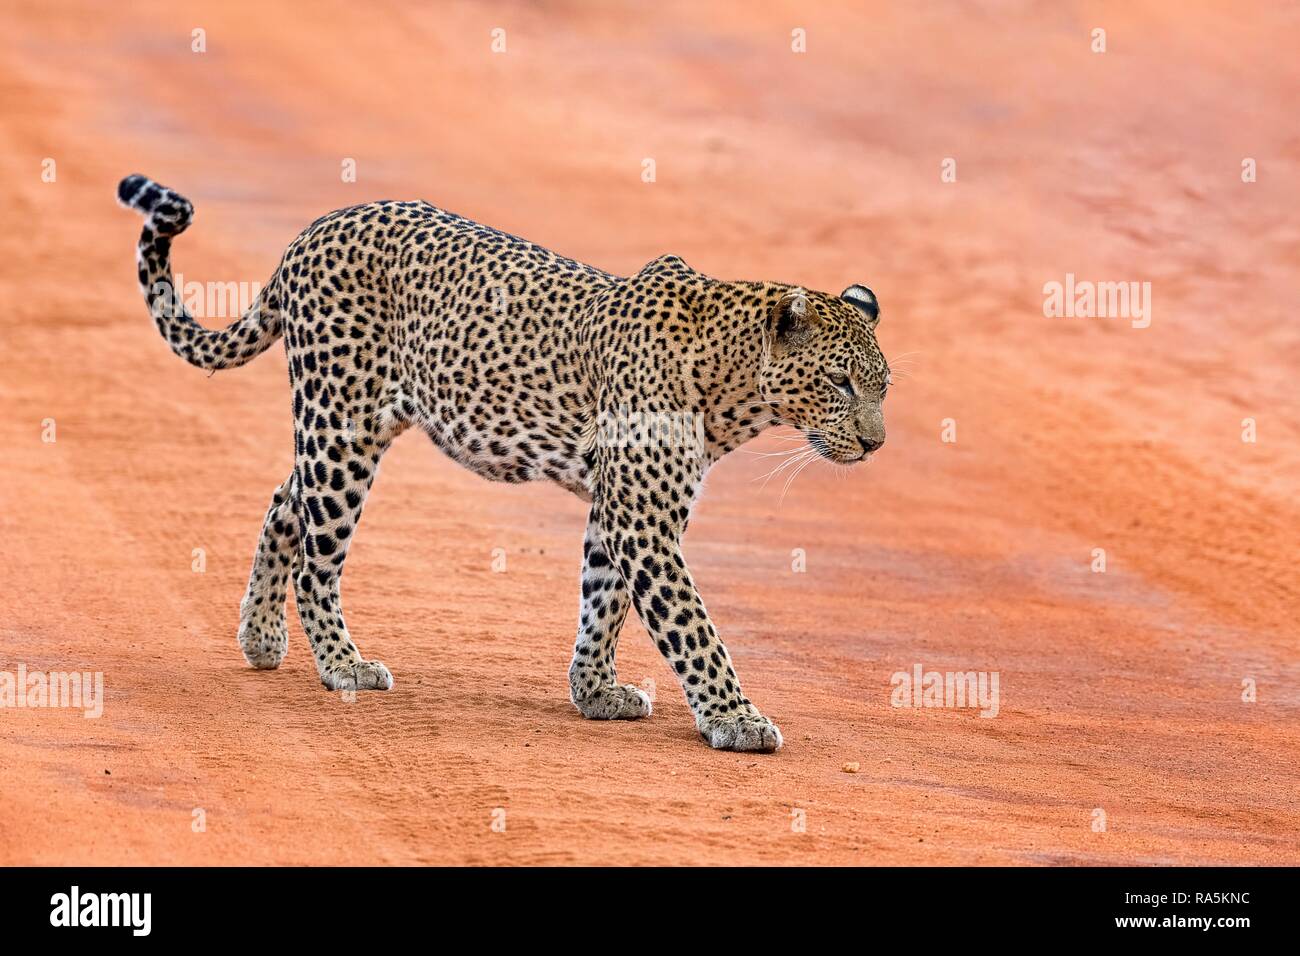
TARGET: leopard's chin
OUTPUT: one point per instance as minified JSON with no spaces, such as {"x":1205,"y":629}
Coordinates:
{"x":825,"y":451}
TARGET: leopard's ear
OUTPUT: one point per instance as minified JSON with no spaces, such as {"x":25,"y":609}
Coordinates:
{"x":792,"y":321}
{"x":864,"y":300}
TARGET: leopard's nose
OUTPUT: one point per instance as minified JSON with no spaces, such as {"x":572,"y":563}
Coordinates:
{"x":868,"y":445}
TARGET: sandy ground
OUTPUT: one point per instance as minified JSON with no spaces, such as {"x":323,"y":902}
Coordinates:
{"x":1120,"y":691}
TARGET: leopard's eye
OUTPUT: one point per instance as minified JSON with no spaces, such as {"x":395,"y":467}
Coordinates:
{"x":842,"y":382}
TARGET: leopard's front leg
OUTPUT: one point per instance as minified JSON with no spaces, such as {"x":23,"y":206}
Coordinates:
{"x":641,"y":508}
{"x":593,"y":682}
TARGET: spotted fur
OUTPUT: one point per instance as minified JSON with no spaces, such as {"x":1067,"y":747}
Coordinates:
{"x":523,"y":365}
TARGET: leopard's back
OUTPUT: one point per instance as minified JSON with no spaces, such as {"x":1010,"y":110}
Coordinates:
{"x":422,"y":317}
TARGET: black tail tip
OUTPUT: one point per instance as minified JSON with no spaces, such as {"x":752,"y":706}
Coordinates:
{"x":139,"y":192}
{"x":169,"y":212}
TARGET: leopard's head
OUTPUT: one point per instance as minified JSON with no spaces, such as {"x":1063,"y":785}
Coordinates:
{"x":823,"y":372}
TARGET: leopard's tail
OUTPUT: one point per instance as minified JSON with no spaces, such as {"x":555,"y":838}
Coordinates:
{"x":168,"y":214}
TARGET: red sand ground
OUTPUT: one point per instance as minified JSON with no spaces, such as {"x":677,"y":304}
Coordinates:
{"x":1120,"y":691}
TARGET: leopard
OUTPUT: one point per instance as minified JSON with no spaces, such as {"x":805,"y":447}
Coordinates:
{"x":523,"y":365}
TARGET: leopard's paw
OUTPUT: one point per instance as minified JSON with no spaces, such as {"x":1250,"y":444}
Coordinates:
{"x":614,"y":702}
{"x":264,"y":641}
{"x":741,"y":732}
{"x":357,"y":675}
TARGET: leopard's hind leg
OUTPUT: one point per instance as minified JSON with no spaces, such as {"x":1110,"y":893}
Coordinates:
{"x":336,"y":466}
{"x":263,"y":633}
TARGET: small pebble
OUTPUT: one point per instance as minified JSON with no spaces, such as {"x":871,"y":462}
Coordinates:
{"x":852,"y":766}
